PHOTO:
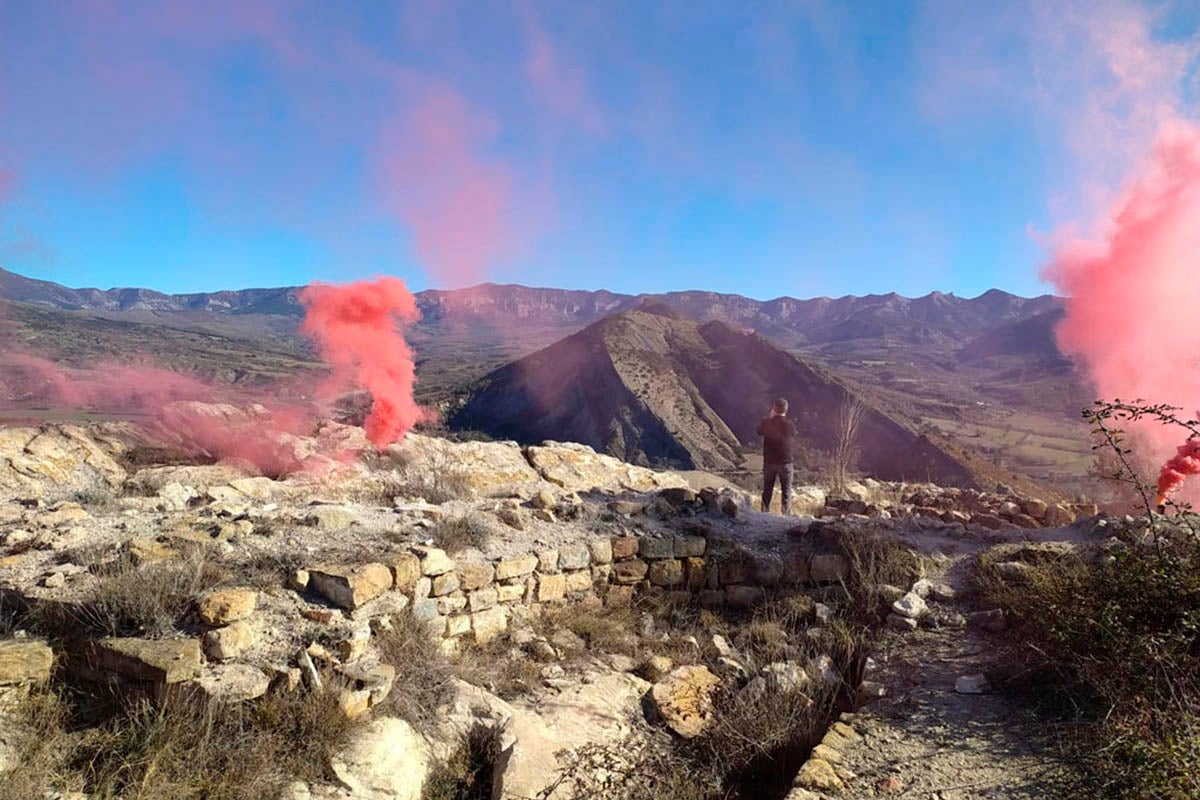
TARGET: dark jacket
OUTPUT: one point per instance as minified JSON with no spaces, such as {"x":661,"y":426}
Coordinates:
{"x":778,"y":434}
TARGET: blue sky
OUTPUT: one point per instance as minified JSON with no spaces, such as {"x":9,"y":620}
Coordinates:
{"x":782,"y":147}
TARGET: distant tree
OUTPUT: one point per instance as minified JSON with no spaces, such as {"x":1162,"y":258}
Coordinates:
{"x":851,"y":414}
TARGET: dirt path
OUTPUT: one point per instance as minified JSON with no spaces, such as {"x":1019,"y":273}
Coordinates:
{"x":926,"y":740}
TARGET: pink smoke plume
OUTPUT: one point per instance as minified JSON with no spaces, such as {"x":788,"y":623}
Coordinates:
{"x":456,"y":201}
{"x":1133,"y":296}
{"x":176,"y":409}
{"x":1185,"y":462}
{"x":355,"y":327}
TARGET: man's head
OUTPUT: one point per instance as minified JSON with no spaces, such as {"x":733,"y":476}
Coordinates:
{"x":780,"y":407}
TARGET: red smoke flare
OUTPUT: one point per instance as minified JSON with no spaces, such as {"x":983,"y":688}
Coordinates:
{"x":1132,"y":297}
{"x":356,"y":327}
{"x":1185,"y":462}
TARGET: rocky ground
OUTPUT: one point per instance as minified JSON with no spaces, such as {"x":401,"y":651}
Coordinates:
{"x":583,"y":607}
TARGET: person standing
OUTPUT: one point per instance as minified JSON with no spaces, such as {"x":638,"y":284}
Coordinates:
{"x":778,"y":434}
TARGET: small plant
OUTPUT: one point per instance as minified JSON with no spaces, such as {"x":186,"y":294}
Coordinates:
{"x":423,"y":672}
{"x":126,"y":599}
{"x":1117,"y":632}
{"x":456,"y":534}
{"x":467,"y":775}
{"x":188,"y":749}
{"x":437,"y":479}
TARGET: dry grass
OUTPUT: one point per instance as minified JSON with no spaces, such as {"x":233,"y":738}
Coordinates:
{"x":467,"y":775}
{"x":875,"y":560}
{"x":185,"y":750}
{"x":423,"y":672}
{"x":437,"y":481}
{"x":1119,"y":640}
{"x":456,"y":534}
{"x":759,"y":740}
{"x":130,"y":600}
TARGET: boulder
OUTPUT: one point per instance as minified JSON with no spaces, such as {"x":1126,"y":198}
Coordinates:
{"x":574,"y":556}
{"x":57,"y":460}
{"x":233,"y":683}
{"x":230,"y":642}
{"x":1058,"y":516}
{"x":818,"y":774}
{"x":434,"y":561}
{"x":516,"y":567}
{"x":331,"y":518}
{"x":911,"y":606}
{"x":808,"y":499}
{"x":684,"y":700}
{"x":152,"y":480}
{"x":1035,"y":508}
{"x":595,"y":711}
{"x":972,"y":684}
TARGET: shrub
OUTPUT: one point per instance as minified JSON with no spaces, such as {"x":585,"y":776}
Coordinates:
{"x":455,"y":534}
{"x":438,"y":480}
{"x":1120,"y":636}
{"x":126,"y":599}
{"x":423,"y":673}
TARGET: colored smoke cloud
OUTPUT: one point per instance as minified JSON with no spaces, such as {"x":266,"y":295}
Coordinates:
{"x":357,"y":330}
{"x":456,"y":201}
{"x":1133,"y":293}
{"x":177,"y":410}
{"x":1184,"y":463}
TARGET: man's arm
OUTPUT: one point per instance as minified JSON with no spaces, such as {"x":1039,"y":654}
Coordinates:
{"x":760,"y":427}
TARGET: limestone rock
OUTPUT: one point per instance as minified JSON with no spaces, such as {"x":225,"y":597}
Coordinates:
{"x":153,"y":480}
{"x":223,"y":644}
{"x":25,"y":661}
{"x":350,"y":586}
{"x":684,"y":700}
{"x":911,"y":606}
{"x":386,"y":760}
{"x":578,"y":468}
{"x":972,"y":684}
{"x":480,"y":469}
{"x":516,"y":567}
{"x":434,"y":561}
{"x":820,"y":775}
{"x":331,"y":518}
{"x":574,"y":556}
{"x":223,"y":606}
{"x":165,"y":661}
{"x":233,"y":683}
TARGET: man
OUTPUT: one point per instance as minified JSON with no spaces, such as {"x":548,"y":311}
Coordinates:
{"x":777,"y":432}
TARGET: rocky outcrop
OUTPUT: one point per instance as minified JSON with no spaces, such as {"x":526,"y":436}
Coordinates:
{"x":479,"y":469}
{"x":579,"y":468}
{"x":59,"y":460}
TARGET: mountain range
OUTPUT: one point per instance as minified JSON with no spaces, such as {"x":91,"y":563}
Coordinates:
{"x":985,"y":368}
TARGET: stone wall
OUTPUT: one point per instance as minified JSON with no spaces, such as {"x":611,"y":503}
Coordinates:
{"x":479,"y":598}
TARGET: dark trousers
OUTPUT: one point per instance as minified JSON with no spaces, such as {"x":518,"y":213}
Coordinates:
{"x":784,"y":473}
